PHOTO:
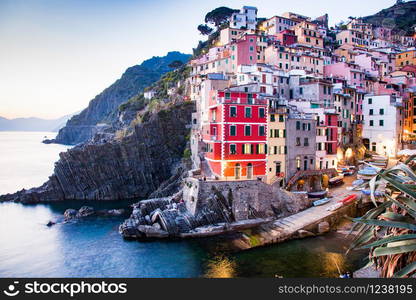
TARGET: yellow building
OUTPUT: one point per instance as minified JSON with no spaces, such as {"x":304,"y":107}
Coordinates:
{"x":276,"y":141}
{"x":406,"y":58}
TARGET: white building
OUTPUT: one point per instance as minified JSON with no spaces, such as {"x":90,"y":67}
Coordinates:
{"x":149,"y":94}
{"x":246,"y":18}
{"x":382,"y":130}
{"x":270,"y":80}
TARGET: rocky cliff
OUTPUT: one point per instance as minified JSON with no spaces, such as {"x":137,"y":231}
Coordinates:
{"x":150,"y":156}
{"x":103,"y":108}
{"x":400,"y":17}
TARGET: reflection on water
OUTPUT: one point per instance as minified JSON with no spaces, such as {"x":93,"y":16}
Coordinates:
{"x":220,"y":267}
{"x":92,"y":247}
{"x":322,"y":256}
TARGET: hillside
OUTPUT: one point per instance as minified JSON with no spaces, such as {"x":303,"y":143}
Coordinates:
{"x":32,"y":124}
{"x":103,"y":108}
{"x":400,"y":17}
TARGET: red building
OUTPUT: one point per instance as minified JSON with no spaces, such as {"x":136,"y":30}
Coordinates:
{"x":331,"y":122}
{"x":235,"y":135}
{"x":287,"y":37}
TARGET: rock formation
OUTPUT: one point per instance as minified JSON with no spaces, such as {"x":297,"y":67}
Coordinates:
{"x":102,"y":110}
{"x":132,"y":167}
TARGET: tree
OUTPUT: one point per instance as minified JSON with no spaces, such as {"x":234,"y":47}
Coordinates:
{"x":219,"y":15}
{"x":175,"y":64}
{"x":204,"y":29}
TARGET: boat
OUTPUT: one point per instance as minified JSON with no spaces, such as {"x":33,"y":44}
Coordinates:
{"x":319,"y":195}
{"x":376,"y":193}
{"x":367,"y":173}
{"x":348,"y":199}
{"x":321,"y":202}
{"x":338,"y":180}
{"x":334,"y":207}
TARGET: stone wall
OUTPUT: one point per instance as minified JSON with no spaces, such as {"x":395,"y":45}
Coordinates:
{"x":248,"y":199}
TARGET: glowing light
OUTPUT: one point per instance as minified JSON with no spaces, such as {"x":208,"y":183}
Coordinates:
{"x":349,"y":153}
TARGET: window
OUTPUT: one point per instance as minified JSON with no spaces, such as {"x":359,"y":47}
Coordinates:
{"x":297,"y":125}
{"x":298,"y":162}
{"x":261,"y":149}
{"x":261,"y":113}
{"x":381,"y":111}
{"x":227,"y":96}
{"x":301,"y":91}
{"x":233,"y":130}
{"x":281,"y":118}
{"x":298,"y":141}
{"x":247,"y":130}
{"x":248,"y":112}
{"x":262,"y":130}
{"x":381,"y":122}
{"x":371,"y":112}
{"x":272,"y":118}
{"x":247,"y":149}
{"x":233,"y":149}
{"x":233,"y":111}
{"x":306,"y":142}
{"x":370,"y":101}
{"x":371,"y":123}
{"x":249,"y":98}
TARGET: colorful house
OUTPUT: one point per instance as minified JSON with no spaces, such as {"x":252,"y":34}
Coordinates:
{"x":236,"y":135}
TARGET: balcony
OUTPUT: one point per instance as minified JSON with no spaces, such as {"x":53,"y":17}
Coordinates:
{"x":238,"y":100}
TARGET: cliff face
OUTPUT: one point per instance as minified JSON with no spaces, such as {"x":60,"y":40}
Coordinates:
{"x":400,"y":17}
{"x":130,"y":167}
{"x":103,"y":108}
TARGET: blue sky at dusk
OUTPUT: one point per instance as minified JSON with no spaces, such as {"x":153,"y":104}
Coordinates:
{"x":56,"y":55}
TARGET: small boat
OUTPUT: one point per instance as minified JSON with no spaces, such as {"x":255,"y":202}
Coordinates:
{"x":368,"y":171}
{"x":348,"y":199}
{"x":335,"y":206}
{"x":319,"y":195}
{"x":338,"y":180}
{"x":376,"y":193}
{"x":357,"y":182}
{"x":321,"y":202}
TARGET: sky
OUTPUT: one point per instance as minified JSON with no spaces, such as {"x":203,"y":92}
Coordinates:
{"x":57,"y":55}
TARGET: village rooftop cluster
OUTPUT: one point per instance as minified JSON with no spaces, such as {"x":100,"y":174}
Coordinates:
{"x":286,"y":94}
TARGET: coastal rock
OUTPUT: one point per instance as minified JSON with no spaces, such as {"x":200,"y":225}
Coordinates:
{"x":323,"y":227}
{"x":70,"y":213}
{"x":111,"y":212}
{"x":133,"y":167}
{"x":304,"y":233}
{"x":85,"y":211}
{"x":101,"y":110}
{"x":152,"y":232}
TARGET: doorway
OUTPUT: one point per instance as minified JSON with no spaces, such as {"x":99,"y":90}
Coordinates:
{"x":237,"y":171}
{"x":249,"y":171}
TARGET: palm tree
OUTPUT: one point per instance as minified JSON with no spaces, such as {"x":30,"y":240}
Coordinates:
{"x":389,"y":229}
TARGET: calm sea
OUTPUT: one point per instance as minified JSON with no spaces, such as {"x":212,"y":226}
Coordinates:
{"x":93,"y":248}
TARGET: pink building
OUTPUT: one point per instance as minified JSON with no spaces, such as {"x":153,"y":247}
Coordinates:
{"x":244,"y":51}
{"x":349,"y":71}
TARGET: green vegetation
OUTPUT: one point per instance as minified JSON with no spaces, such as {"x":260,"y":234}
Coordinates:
{"x":204,"y":29}
{"x":400,"y":17}
{"x":187,"y":153}
{"x":219,"y":15}
{"x":389,"y":229}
